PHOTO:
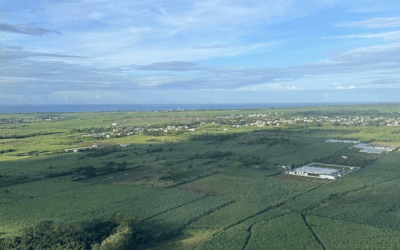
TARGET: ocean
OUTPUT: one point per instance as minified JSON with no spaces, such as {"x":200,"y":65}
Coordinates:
{"x":4,"y":109}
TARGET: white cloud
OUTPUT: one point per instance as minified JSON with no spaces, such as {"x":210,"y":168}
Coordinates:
{"x":386,"y":36}
{"x":379,"y":22}
{"x":268,"y":87}
{"x":86,"y":96}
{"x":345,"y":87}
{"x":95,"y":15}
{"x":293,"y":88}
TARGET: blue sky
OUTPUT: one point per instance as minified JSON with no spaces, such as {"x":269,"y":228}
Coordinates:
{"x":214,"y":51}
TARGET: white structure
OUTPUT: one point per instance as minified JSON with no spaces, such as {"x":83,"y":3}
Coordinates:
{"x":361,"y":145}
{"x":366,"y":148}
{"x":373,"y":150}
{"x":75,"y":150}
{"x":342,"y":141}
{"x":309,"y":170}
{"x":115,"y":124}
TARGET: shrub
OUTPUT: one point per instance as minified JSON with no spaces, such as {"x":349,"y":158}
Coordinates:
{"x":113,"y":234}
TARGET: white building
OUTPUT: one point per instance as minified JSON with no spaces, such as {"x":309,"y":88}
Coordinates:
{"x":309,"y":170}
{"x":361,"y":145}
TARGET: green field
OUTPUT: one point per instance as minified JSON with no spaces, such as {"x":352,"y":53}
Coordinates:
{"x":336,"y":234}
{"x":218,"y":187}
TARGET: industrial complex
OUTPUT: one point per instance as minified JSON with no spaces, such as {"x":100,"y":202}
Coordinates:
{"x":318,"y":171}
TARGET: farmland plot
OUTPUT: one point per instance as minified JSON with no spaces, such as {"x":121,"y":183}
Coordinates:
{"x":377,"y":205}
{"x":346,"y":235}
{"x":309,"y":153}
{"x":252,"y":198}
{"x":87,"y":202}
{"x":215,"y":184}
{"x":178,"y":218}
{"x":287,"y":232}
{"x":302,"y":179}
{"x":237,"y":236}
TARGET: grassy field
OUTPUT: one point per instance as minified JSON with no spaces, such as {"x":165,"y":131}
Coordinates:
{"x":218,"y":187}
{"x":336,"y":234}
{"x":237,"y":236}
{"x":32,"y":202}
{"x":287,"y":232}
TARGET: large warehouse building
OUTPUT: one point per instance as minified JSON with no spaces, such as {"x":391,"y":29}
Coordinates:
{"x":309,"y":170}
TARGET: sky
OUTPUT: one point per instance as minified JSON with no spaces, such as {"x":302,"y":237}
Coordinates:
{"x":195,"y":52}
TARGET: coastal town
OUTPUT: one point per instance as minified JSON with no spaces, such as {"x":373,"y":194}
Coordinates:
{"x":241,"y":121}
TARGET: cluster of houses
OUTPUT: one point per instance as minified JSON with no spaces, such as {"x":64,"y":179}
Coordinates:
{"x":30,"y":119}
{"x":274,"y":119}
{"x":82,"y":149}
{"x":117,"y":131}
{"x":257,"y":120}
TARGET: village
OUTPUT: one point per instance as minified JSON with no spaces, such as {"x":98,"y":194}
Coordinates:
{"x":241,"y":121}
{"x":31,"y":119}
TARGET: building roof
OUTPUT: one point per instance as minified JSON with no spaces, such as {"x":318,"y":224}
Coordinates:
{"x":373,"y":150}
{"x":361,"y":145}
{"x":315,"y":170}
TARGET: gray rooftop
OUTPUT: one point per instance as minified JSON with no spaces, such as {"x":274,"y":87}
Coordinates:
{"x":315,"y":170}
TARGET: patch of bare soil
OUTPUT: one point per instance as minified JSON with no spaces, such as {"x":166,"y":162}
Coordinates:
{"x":123,"y":177}
{"x":301,"y":179}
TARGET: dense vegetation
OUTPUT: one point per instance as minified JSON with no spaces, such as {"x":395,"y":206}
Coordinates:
{"x":198,"y":180}
{"x":116,"y":233}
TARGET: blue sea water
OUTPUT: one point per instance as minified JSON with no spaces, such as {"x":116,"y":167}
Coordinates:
{"x":146,"y":107}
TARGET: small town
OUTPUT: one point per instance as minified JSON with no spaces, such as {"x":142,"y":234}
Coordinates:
{"x":240,"y":121}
